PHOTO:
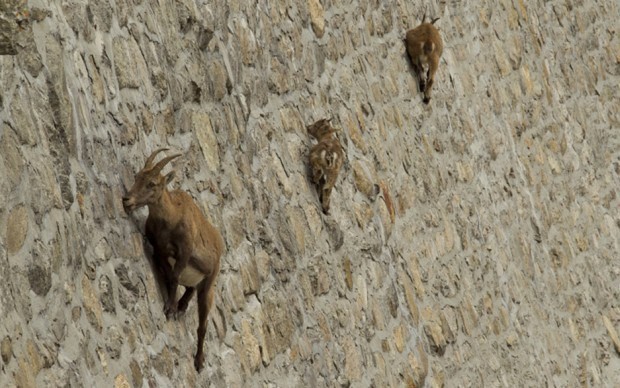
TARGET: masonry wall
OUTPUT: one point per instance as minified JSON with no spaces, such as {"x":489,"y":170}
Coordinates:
{"x":490,"y":257}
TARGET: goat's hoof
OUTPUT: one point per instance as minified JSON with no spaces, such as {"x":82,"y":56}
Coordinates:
{"x":426,"y":100}
{"x":171,"y":312}
{"x":198,"y":361}
{"x":181,"y":311}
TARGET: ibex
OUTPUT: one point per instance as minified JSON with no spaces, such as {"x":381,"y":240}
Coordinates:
{"x":326,"y":159}
{"x":186,"y":247}
{"x":425,"y":47}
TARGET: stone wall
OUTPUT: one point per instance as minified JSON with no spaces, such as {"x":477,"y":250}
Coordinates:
{"x":490,"y":257}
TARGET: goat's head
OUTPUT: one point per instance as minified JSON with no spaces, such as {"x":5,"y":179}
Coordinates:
{"x":149,"y":183}
{"x":320,"y":128}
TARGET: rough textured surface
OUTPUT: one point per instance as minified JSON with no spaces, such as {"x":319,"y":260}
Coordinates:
{"x":489,"y":256}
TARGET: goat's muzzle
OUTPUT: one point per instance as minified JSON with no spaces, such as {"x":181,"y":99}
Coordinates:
{"x":129,"y":204}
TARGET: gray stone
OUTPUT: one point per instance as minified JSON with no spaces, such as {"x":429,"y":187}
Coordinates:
{"x":11,"y":156}
{"x":91,"y":305}
{"x":114,"y":342}
{"x":136,"y":373}
{"x":250,"y":276}
{"x":107,"y":294}
{"x":6,"y":350}
{"x":128,"y":63}
{"x":40,"y":280}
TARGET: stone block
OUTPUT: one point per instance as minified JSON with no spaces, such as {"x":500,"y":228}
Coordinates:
{"x":363,"y":214}
{"x":233,"y":295}
{"x":40,"y":279}
{"x":107,"y":294}
{"x":419,"y":365}
{"x":293,"y":230}
{"x":348,"y":273}
{"x":435,"y":337}
{"x":6,"y":350}
{"x":364,"y":178}
{"x":12,"y":157}
{"x":317,"y":17}
{"x":24,"y":123}
{"x":410,"y":297}
{"x":129,"y":65}
{"x":469,"y":317}
{"x":120,"y":381}
{"x":249,"y":276}
{"x":164,"y":362}
{"x":352,"y":128}
{"x":250,"y":347}
{"x":400,"y":337}
{"x":17,"y":226}
{"x":136,"y":373}
{"x":91,"y":304}
{"x":282,"y":320}
{"x":201,"y":127}
{"x":353,"y":360}
{"x":613,"y":334}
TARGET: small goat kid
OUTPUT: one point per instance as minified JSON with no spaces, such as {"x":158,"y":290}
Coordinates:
{"x":424,"y":46}
{"x":186,"y":247}
{"x":326,"y":159}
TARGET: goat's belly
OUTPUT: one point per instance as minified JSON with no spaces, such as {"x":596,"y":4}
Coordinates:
{"x":190,"y":277}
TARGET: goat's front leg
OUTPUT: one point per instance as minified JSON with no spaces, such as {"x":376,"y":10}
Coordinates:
{"x":170,"y":308}
{"x":183,"y":253}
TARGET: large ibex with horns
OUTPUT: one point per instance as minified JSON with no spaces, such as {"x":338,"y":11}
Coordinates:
{"x":186,"y":247}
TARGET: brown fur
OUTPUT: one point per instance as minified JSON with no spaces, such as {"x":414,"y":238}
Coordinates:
{"x":424,"y":46}
{"x":186,"y":247}
{"x":326,"y":159}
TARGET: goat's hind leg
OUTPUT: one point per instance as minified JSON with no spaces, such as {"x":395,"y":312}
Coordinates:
{"x":419,"y":73}
{"x":326,"y":192}
{"x":421,"y":79}
{"x":165,"y":270}
{"x":206,"y":295}
{"x":432,"y":68}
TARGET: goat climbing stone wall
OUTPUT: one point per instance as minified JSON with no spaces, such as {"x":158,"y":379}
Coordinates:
{"x":490,"y":257}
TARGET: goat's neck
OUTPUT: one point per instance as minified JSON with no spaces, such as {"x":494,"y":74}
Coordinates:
{"x":164,"y":209}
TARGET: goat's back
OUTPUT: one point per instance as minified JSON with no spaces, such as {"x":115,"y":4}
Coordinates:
{"x":424,"y":33}
{"x":207,"y":236}
{"x":207,"y":240}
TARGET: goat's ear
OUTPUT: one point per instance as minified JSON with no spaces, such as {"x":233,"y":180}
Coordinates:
{"x":169,"y":177}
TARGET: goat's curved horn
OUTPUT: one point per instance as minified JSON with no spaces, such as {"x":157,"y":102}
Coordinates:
{"x":149,"y":160}
{"x":158,"y":167}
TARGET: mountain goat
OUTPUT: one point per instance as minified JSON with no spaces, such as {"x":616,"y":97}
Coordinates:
{"x":326,"y":159}
{"x":186,"y":247}
{"x":424,"y":46}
